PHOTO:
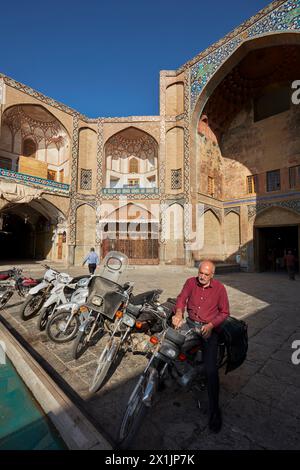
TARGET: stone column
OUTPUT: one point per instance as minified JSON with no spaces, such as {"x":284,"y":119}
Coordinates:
{"x":73,"y":191}
{"x":187,"y":214}
{"x":162,"y":167}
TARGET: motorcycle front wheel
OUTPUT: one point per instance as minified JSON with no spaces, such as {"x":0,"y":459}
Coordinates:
{"x":44,"y":316}
{"x":55,"y":328}
{"x":82,"y":341}
{"x":134,"y":414}
{"x":105,"y":362}
{"x":32,"y":305}
{"x":5,"y":298}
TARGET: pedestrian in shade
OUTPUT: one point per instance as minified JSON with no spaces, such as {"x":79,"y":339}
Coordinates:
{"x":92,"y":259}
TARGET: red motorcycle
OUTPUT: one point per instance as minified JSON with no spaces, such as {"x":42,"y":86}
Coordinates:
{"x":12,"y":281}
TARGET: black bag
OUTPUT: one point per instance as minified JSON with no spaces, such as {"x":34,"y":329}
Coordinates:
{"x":235,"y":336}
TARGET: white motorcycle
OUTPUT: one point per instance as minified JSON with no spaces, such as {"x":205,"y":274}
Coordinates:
{"x":61,"y":293}
{"x":38,"y":294}
{"x":65,"y":322}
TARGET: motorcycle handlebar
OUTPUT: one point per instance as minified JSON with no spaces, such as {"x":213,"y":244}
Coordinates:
{"x":49,"y":267}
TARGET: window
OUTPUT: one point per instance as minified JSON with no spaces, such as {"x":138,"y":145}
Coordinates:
{"x":210,"y":186}
{"x":51,"y":175}
{"x":273,"y":180}
{"x":85,"y":179}
{"x":29,"y":148}
{"x":133,"y":183}
{"x":113,"y":182}
{"x":252,"y":184}
{"x":5,"y":163}
{"x":294,"y":176}
{"x":133,"y":166}
{"x":176,"y":179}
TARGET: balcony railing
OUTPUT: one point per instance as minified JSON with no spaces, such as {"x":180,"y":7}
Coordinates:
{"x":131,"y":190}
{"x":34,"y":181}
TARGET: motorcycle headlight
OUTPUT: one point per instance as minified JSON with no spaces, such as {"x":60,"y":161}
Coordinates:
{"x":168,"y":351}
{"x":78,"y":298}
{"x":83,"y":282}
{"x":128,"y":320}
{"x":97,"y":300}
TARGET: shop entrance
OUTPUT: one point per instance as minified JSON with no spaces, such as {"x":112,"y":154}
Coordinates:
{"x":272,"y":243}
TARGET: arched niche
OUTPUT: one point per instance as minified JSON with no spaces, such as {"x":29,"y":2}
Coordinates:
{"x":120,"y":149}
{"x":175,"y":99}
{"x":232,"y":234}
{"x":174,"y":234}
{"x":28,"y":134}
{"x":87,"y":163}
{"x":174,"y":159}
{"x":85,"y":231}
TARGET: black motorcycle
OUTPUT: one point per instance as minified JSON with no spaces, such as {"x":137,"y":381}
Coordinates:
{"x":177,"y":355}
{"x":143,"y":314}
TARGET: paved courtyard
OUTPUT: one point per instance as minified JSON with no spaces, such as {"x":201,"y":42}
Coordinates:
{"x":260,"y":400}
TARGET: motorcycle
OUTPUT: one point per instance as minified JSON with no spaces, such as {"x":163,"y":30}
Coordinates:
{"x":105,"y":303}
{"x":143,"y":314}
{"x":38,"y":294}
{"x":12,"y":281}
{"x":64,"y":323}
{"x":174,"y":355}
{"x":63,"y":288}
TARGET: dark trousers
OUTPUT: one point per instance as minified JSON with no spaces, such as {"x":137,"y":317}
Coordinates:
{"x":210,"y":357}
{"x":291,"y":272}
{"x":92,"y":268}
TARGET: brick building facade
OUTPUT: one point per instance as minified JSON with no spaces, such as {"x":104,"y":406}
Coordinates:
{"x":216,"y":174}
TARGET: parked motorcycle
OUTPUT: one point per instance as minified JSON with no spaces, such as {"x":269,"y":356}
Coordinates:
{"x":64,"y":287}
{"x":176,"y":355}
{"x":12,"y":281}
{"x":64,"y":323}
{"x":38,"y":294}
{"x":105,"y":303}
{"x":142,"y":314}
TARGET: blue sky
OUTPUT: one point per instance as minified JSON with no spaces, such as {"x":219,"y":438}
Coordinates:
{"x":103,"y":57}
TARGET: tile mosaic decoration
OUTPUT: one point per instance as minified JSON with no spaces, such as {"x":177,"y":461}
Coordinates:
{"x":282,"y":19}
{"x":28,"y":180}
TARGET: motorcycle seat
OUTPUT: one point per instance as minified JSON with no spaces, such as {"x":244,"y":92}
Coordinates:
{"x":144,"y":297}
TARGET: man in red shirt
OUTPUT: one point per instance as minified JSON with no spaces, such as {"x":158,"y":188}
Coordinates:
{"x":206,"y":301}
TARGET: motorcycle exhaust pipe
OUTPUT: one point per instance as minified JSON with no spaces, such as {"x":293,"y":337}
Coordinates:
{"x":151,"y":388}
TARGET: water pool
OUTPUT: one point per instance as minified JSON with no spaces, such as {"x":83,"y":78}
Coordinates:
{"x":23,"y":424}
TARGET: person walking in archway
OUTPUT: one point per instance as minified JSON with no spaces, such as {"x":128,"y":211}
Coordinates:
{"x":92,"y":259}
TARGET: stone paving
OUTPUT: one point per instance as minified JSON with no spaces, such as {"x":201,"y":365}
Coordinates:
{"x":260,"y":400}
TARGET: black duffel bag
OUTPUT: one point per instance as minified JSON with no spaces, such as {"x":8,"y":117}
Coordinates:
{"x":235,"y":336}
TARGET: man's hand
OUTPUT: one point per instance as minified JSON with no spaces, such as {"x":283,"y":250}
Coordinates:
{"x":206,"y":330}
{"x":177,"y":319}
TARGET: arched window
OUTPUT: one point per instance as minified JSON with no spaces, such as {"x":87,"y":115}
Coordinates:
{"x":133,"y":166}
{"x":29,"y":148}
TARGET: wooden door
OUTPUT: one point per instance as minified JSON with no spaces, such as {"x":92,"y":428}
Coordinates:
{"x":59,"y":246}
